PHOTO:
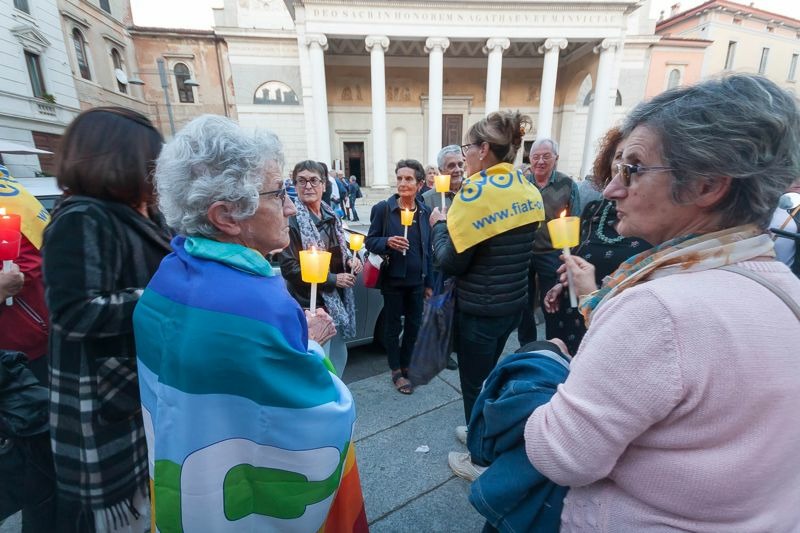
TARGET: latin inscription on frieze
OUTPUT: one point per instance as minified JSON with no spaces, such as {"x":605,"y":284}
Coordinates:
{"x":379,"y":15}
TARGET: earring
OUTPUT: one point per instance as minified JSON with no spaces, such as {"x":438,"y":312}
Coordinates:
{"x":481,"y":159}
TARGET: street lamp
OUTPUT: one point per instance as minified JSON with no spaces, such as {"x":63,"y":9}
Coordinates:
{"x":162,"y":74}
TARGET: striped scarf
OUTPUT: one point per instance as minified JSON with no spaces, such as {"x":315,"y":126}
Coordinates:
{"x":247,"y":430}
{"x":689,"y":253}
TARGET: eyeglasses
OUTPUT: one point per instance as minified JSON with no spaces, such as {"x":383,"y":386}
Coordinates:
{"x":302,"y":182}
{"x":626,"y":170}
{"x":545,"y":157}
{"x":280,"y":194}
{"x":465,"y":148}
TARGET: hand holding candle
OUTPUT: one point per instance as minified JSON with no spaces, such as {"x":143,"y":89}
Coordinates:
{"x":314,"y":266}
{"x":9,"y":250}
{"x":442,"y":184}
{"x":406,"y":219}
{"x":356,"y":243}
{"x":565,"y":233}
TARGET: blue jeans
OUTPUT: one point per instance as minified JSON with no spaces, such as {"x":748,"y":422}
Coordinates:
{"x":401,"y":302}
{"x":479,"y":343}
{"x":543,"y":267}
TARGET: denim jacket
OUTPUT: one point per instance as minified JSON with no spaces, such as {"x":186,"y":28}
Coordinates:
{"x":511,"y":493}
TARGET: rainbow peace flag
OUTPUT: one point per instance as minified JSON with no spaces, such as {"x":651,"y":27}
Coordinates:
{"x":247,"y":430}
{"x":16,"y":199}
{"x":492,"y":202}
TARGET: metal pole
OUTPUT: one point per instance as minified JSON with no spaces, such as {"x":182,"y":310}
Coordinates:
{"x":162,"y":73}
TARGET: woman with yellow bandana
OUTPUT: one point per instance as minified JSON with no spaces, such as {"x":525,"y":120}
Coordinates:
{"x":485,"y":240}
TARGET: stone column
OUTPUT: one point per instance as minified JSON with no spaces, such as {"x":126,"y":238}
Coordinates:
{"x":435,"y":47}
{"x":377,"y":46}
{"x":317,"y":44}
{"x":494,"y":72}
{"x":547,"y":97}
{"x":602,"y":106}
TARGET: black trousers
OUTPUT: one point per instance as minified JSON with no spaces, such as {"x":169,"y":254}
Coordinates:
{"x":479,"y":343}
{"x":543,"y":267}
{"x":400,"y":302}
{"x":27,"y":482}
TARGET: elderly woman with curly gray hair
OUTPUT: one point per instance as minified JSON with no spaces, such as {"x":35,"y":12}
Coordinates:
{"x":680,"y":411}
{"x":237,"y":395}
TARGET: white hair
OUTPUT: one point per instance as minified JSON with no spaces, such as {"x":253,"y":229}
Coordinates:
{"x":212,"y":159}
{"x":540,"y":142}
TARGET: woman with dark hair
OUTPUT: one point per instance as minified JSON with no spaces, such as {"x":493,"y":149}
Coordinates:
{"x":315,"y":224}
{"x":485,"y":240}
{"x":406,"y":282}
{"x":600,"y":244}
{"x":103,"y":245}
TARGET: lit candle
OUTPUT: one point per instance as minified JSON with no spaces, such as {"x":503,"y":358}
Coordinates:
{"x":314,"y":267}
{"x":442,"y":184}
{"x":10,"y":221}
{"x":356,"y":243}
{"x":9,"y":250}
{"x":565,"y":233}
{"x":406,"y":219}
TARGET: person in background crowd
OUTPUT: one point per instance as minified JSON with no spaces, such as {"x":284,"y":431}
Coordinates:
{"x":24,"y":324}
{"x":589,"y":191}
{"x":315,"y":224}
{"x":451,"y":162}
{"x":786,"y":249}
{"x":353,"y":193}
{"x":600,"y":244}
{"x":488,"y":260}
{"x":407,"y":280}
{"x":328,"y":191}
{"x":336,"y":199}
{"x":560,"y":195}
{"x":428,"y":183}
{"x":24,"y":328}
{"x":680,"y":409}
{"x":100,"y":250}
{"x":344,"y":202}
{"x":238,"y":398}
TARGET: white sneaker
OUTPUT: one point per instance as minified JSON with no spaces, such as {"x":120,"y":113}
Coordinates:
{"x":462,"y":466}
{"x":461,"y":434}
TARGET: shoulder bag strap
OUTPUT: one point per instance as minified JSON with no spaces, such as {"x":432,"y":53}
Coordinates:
{"x":780,"y":293}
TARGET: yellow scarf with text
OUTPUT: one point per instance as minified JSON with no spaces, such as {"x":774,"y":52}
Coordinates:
{"x":492,"y":202}
{"x":17,"y":200}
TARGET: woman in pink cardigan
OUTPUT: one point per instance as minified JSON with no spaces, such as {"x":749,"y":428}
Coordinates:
{"x":681,"y":409}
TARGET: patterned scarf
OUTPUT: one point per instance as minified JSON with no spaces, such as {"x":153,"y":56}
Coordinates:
{"x":343,"y":313}
{"x":689,"y":253}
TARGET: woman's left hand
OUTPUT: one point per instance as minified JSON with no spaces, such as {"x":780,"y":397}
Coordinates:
{"x":355,"y":265}
{"x":437,"y":215}
{"x":428,"y":292}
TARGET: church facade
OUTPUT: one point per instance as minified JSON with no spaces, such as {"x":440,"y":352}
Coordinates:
{"x":363,"y":83}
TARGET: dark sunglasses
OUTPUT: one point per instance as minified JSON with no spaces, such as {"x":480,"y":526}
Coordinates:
{"x":626,"y":171}
{"x":280,"y":194}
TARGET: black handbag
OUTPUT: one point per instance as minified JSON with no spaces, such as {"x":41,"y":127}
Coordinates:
{"x":27,"y":476}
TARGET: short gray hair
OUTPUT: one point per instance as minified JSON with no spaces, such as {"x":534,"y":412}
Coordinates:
{"x":742,"y":126}
{"x":539,"y":142}
{"x":212,"y":159}
{"x":444,"y":152}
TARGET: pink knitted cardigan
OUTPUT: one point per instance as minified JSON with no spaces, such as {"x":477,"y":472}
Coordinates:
{"x":682,"y":410}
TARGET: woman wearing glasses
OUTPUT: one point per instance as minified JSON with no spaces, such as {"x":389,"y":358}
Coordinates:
{"x":315,"y":224}
{"x":600,"y":244}
{"x":680,"y":410}
{"x":236,"y":392}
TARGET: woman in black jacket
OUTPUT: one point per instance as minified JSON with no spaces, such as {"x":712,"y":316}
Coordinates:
{"x":406,"y":281}
{"x":489,"y":256}
{"x":316,"y":224}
